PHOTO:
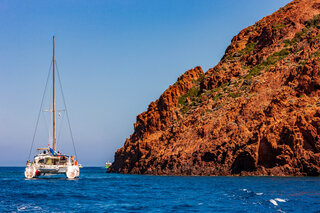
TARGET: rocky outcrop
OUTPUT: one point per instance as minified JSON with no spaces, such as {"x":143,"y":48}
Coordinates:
{"x":257,"y":112}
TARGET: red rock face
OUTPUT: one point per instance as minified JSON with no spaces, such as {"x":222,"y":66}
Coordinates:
{"x":256,"y":113}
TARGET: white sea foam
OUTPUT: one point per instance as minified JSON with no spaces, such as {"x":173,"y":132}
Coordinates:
{"x":259,"y":193}
{"x":21,"y":208}
{"x":28,"y":207}
{"x":280,"y":200}
{"x":273,"y":202}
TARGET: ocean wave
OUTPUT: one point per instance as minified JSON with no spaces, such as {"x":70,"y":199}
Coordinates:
{"x":273,"y":202}
{"x":281,"y":200}
{"x":28,"y":207}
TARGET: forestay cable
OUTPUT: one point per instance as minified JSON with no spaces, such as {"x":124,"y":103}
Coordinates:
{"x":35,"y":131}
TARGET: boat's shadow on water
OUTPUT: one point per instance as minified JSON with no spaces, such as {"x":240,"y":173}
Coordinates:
{"x":51,"y":178}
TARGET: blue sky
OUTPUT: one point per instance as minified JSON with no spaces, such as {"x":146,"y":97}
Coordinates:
{"x":114,"y":58}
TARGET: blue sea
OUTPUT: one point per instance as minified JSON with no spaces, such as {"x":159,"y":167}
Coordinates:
{"x":97,"y":191}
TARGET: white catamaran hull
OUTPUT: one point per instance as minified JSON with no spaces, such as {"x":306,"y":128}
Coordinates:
{"x":30,"y":172}
{"x":71,"y":172}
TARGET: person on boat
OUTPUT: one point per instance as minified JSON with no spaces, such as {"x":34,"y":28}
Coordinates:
{"x":44,"y":152}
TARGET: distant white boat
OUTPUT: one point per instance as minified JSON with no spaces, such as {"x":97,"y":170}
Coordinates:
{"x":108,"y":165}
{"x":48,"y":161}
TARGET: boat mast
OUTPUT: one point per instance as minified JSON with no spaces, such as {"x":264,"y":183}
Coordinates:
{"x":54,"y":145}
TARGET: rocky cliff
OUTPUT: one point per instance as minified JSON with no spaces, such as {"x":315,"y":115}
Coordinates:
{"x":257,"y":112}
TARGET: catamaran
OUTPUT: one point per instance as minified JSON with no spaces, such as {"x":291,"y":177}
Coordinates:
{"x":48,"y":161}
